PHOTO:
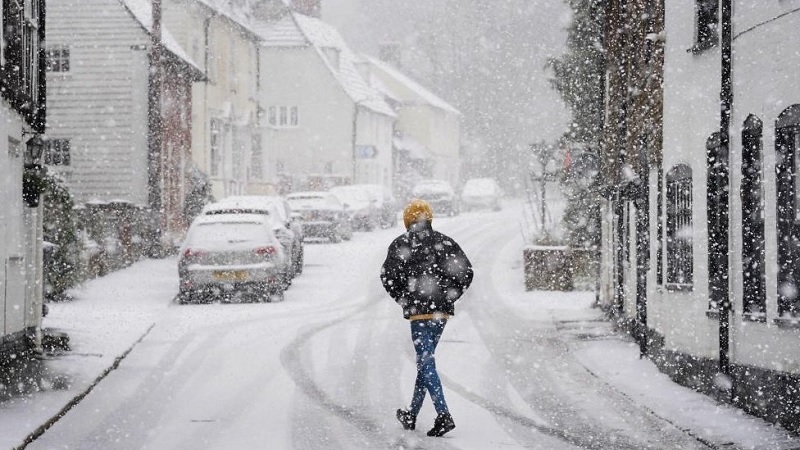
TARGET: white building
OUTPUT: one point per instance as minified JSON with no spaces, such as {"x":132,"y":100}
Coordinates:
{"x":756,"y":183}
{"x":21,"y":119}
{"x":226,"y":137}
{"x":422,"y":118}
{"x":323,"y":122}
{"x":98,"y":128}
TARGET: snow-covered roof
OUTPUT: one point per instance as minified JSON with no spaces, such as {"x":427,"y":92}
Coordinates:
{"x":298,"y":30}
{"x":236,"y":12}
{"x":143,"y":13}
{"x":421,"y":92}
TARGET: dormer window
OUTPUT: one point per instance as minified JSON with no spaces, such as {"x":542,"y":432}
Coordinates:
{"x":706,"y":25}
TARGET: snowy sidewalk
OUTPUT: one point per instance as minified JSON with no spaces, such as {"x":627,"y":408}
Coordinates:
{"x":614,"y":358}
{"x":105,"y":319}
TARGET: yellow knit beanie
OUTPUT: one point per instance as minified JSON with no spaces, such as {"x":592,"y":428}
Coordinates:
{"x":416,"y":211}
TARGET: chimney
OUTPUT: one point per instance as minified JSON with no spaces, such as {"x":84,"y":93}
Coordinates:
{"x":311,"y":8}
{"x":389,"y":52}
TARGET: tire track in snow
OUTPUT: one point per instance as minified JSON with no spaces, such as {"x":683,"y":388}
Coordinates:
{"x":593,"y":435}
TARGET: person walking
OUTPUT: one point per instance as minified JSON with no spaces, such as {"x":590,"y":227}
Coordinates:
{"x":425,"y":272}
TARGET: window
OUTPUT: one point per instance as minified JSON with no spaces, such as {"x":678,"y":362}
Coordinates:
{"x":20,"y":62}
{"x":56,"y":152}
{"x":707,"y":21}
{"x":58,"y":58}
{"x":282,"y":116}
{"x":752,"y":195}
{"x":215,"y":151}
{"x":680,"y":262}
{"x":787,"y":144}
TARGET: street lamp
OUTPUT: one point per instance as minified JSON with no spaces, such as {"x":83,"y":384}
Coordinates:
{"x":33,"y":176}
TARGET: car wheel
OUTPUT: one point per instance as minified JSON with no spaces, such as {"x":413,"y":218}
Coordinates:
{"x":275,"y":296}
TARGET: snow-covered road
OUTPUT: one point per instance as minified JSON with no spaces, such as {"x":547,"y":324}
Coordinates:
{"x":327,"y":367}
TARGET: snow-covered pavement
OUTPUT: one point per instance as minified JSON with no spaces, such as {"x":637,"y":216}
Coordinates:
{"x":327,"y":367}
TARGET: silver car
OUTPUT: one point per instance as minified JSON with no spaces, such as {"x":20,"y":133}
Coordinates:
{"x":230,"y":256}
{"x":322,"y":214}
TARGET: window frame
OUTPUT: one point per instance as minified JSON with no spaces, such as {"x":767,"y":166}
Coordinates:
{"x":57,"y":59}
{"x":706,"y":29}
{"x":679,"y":215}
{"x":57,"y":152}
{"x":754,"y":291}
{"x":787,"y":145}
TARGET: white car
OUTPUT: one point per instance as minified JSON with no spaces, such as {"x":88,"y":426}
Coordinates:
{"x":286,"y":229}
{"x":440,"y":195}
{"x":229,"y":255}
{"x":481,"y":193}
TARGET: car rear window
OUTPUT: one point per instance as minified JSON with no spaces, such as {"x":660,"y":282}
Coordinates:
{"x":228,"y":233}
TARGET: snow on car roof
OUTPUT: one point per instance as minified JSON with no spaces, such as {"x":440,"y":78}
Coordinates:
{"x":231,"y":218}
{"x":309,"y":195}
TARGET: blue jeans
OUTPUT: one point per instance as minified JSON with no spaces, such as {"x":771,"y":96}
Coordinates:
{"x":425,"y":334}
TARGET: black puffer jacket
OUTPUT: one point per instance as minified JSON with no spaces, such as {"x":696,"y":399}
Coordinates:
{"x":425,"y":271}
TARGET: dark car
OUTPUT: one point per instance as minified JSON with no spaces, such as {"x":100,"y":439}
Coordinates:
{"x":322,"y":215}
{"x":440,"y":195}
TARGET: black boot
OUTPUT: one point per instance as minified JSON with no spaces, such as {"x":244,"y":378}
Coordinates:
{"x":408,"y":420}
{"x":442,"y":424}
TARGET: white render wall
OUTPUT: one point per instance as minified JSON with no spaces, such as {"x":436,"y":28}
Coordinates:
{"x":15,"y":249}
{"x":376,"y":130}
{"x":229,"y":95}
{"x":101,"y":103}
{"x":691,"y":115}
{"x":326,"y":115}
{"x":766,"y":66}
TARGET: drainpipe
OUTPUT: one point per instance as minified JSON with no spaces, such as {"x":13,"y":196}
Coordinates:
{"x":155,"y":126}
{"x":726,"y":102}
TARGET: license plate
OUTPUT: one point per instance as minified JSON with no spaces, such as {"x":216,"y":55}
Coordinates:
{"x":230,"y":275}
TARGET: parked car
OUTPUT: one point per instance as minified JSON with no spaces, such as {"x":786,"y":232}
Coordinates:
{"x":360,"y":205}
{"x":385,"y":203}
{"x":228,"y":254}
{"x":439,"y":194}
{"x":323,"y":215}
{"x":481,"y":193}
{"x":288,"y":232}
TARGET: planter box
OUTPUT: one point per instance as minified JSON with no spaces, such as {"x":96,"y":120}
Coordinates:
{"x":547,"y":268}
